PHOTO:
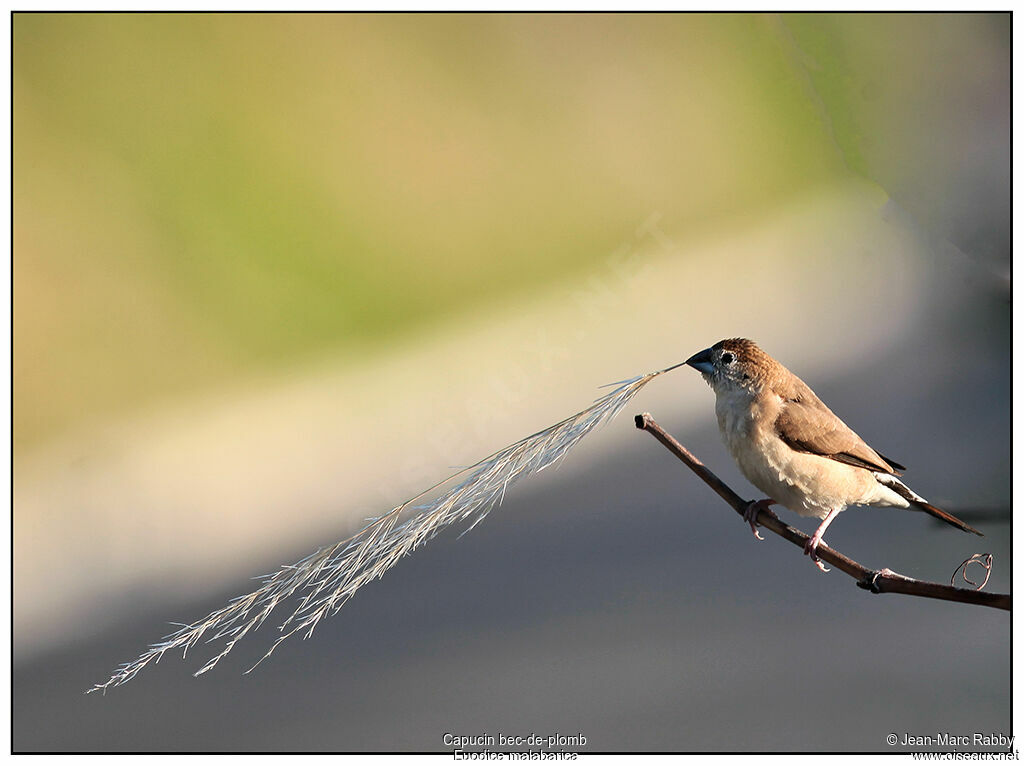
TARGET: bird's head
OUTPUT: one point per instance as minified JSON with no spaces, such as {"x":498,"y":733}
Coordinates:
{"x":733,"y":365}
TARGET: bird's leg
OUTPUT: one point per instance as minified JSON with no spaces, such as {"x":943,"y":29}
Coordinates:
{"x":811,"y":546}
{"x":753,"y":508}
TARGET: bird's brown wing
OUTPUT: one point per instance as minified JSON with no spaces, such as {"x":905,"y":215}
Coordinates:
{"x":807,"y":425}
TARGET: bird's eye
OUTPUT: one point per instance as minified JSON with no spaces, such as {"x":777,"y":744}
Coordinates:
{"x":727,"y":358}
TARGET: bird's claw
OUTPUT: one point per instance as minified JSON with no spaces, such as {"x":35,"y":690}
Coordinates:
{"x":811,"y":549}
{"x":754,"y":507}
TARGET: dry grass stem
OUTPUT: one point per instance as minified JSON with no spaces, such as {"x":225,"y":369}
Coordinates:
{"x":322,"y":582}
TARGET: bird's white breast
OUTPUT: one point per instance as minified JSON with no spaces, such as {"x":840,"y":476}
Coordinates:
{"x":810,"y":485}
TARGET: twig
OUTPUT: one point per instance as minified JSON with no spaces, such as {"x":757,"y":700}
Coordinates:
{"x":876,"y":581}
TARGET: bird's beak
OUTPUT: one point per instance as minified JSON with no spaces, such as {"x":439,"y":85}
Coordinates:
{"x":701,"y":361}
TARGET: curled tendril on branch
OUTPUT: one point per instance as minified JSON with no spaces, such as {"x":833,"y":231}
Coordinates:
{"x":984,"y":560}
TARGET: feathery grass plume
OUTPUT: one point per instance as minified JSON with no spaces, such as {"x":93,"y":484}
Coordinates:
{"x":325,"y":580}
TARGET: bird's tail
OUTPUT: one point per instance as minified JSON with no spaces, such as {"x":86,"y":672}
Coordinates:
{"x":949,"y":518}
{"x":920,"y":503}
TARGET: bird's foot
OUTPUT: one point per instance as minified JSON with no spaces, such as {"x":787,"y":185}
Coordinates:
{"x":811,"y":549}
{"x":753,"y":508}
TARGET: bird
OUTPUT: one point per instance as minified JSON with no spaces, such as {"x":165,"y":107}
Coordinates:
{"x":792,"y":447}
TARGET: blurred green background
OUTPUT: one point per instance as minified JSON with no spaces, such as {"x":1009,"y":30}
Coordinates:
{"x":274,"y":273}
{"x":199,"y":196}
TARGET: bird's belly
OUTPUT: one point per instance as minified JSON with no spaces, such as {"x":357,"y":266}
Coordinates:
{"x":807,"y":484}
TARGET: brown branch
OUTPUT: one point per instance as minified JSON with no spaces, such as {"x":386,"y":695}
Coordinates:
{"x":874,"y":580}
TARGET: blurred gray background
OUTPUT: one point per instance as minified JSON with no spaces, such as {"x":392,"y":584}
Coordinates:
{"x":495,"y":215}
